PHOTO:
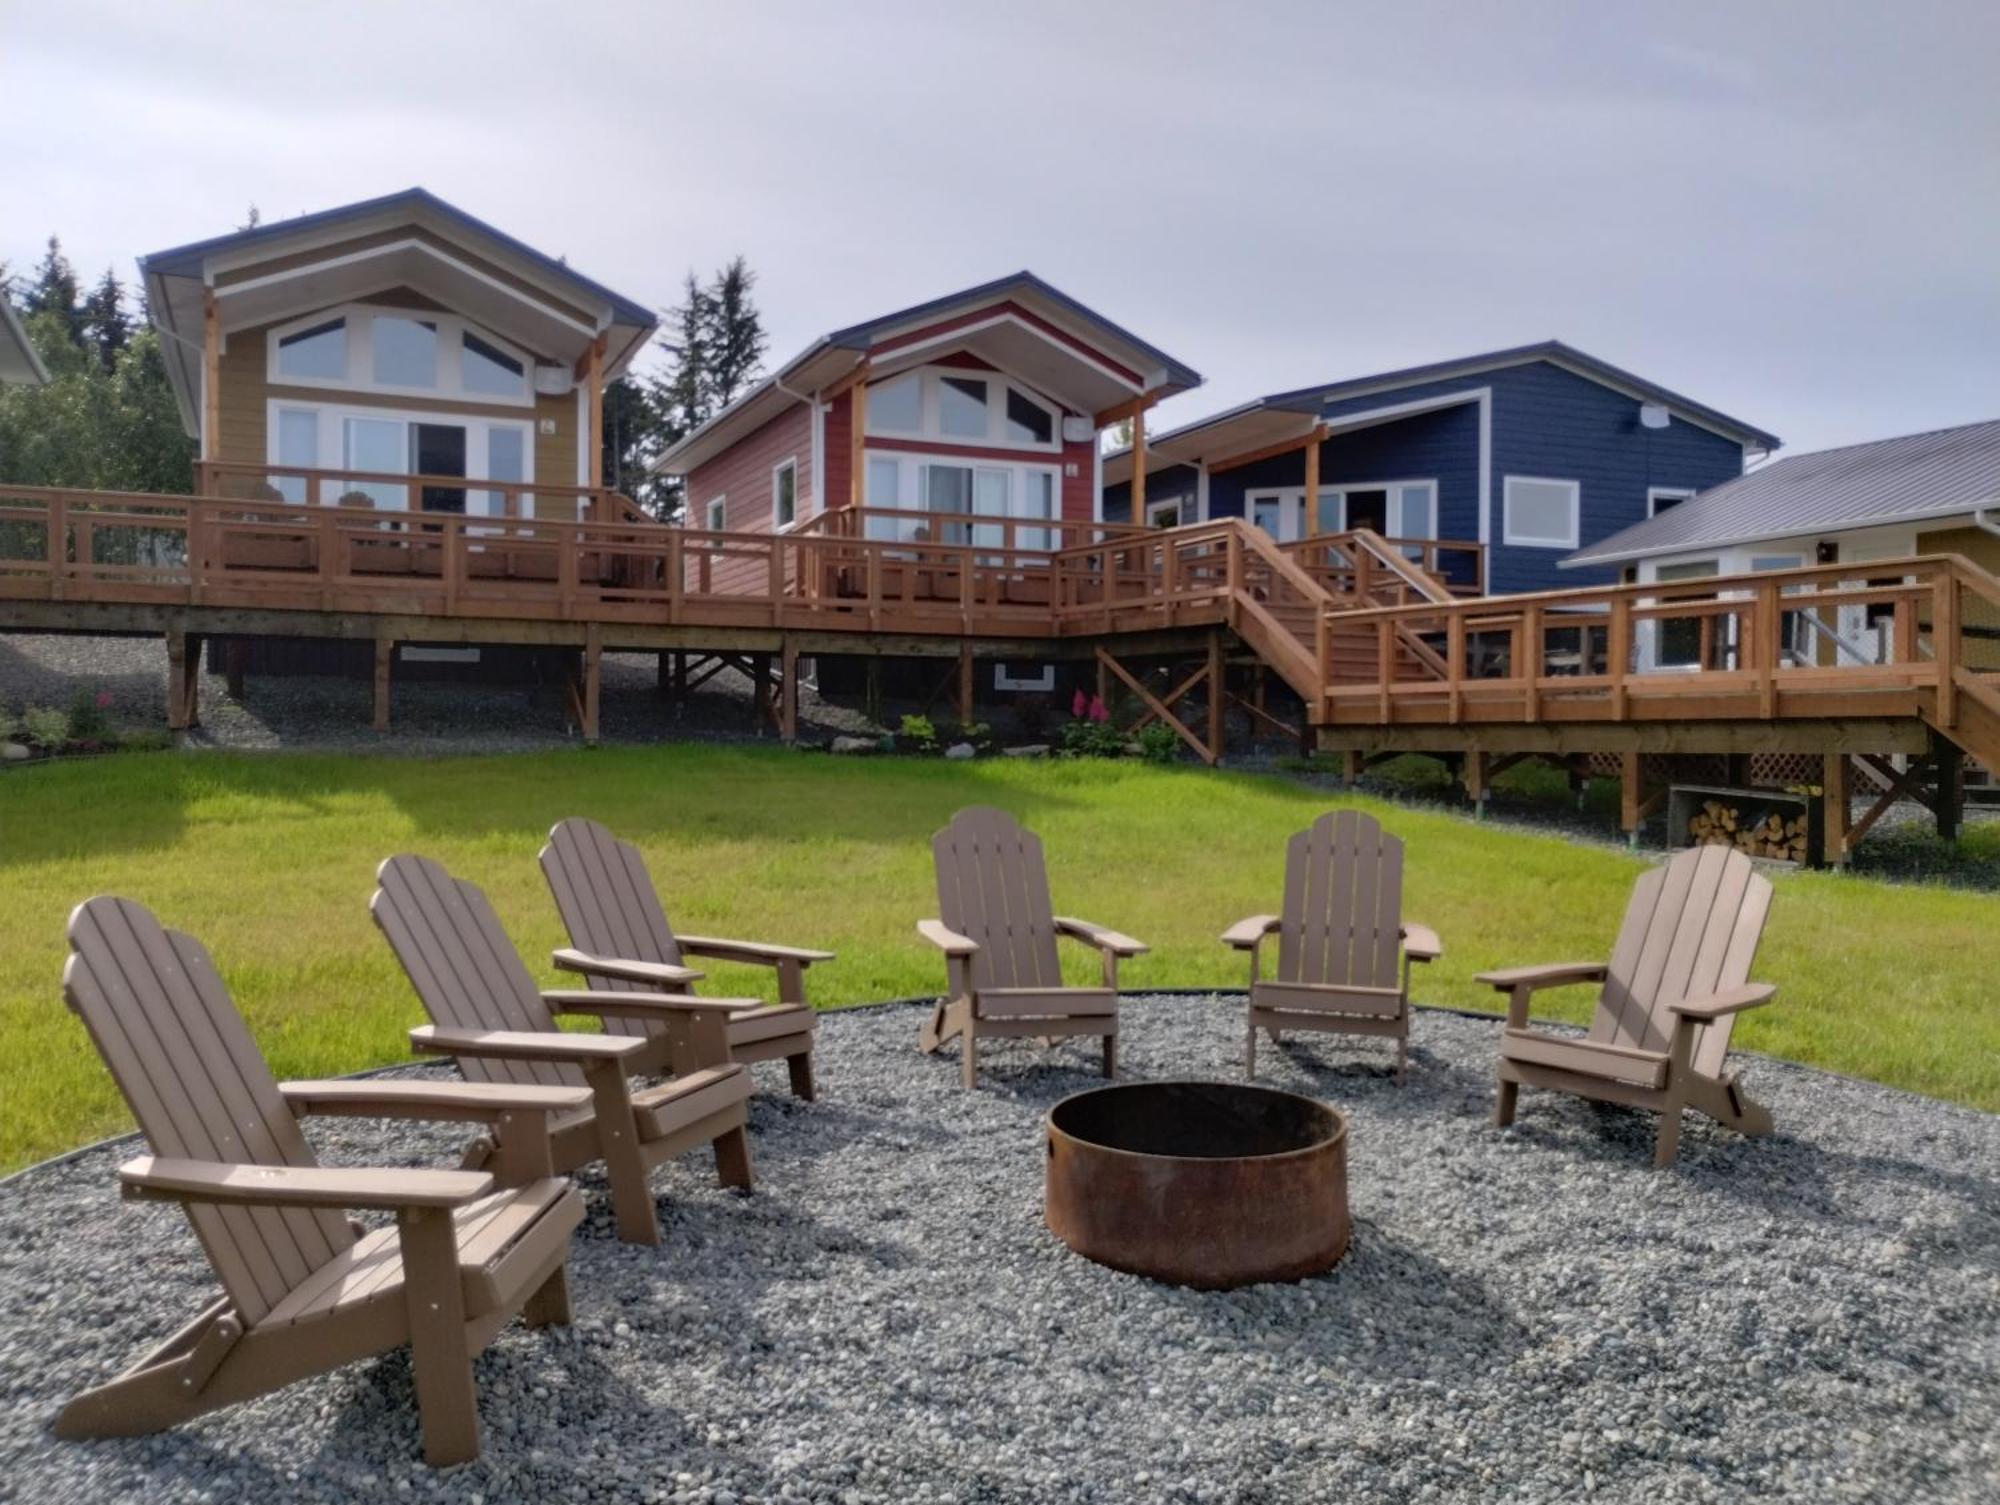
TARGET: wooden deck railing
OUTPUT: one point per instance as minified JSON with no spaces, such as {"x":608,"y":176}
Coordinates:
{"x":389,"y":491}
{"x":1719,"y":646}
{"x":1391,"y":571}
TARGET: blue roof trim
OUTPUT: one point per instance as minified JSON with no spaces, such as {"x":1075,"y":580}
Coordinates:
{"x":187,"y":260}
{"x":860,"y":336}
{"x":1306,"y":399}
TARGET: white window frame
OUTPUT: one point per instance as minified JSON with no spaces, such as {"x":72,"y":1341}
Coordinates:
{"x":1657,"y":494}
{"x":332,"y":419}
{"x":997,"y":383}
{"x":1393,"y":495}
{"x":1043,"y":679}
{"x":1516,"y":540}
{"x":908,"y":499}
{"x":1291,"y":498}
{"x":778,"y":524}
{"x":1184,"y":501}
{"x":715,"y":513}
{"x":360,"y":319}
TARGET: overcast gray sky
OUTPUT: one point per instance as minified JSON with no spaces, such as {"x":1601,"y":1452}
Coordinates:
{"x":1790,"y":211}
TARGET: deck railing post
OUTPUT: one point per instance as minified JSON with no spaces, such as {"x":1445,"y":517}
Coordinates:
{"x":1454,"y":664}
{"x":1385,"y":663}
{"x":55,"y":542}
{"x":1533,"y":650}
{"x":1618,"y":651}
{"x":675,"y":565}
{"x":1944,"y":644}
{"x":1765,"y":642}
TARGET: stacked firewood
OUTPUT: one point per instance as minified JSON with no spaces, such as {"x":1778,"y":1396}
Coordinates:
{"x":1772,"y":835}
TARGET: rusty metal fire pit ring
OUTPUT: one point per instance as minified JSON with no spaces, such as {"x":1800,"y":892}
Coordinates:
{"x":1205,"y":1184}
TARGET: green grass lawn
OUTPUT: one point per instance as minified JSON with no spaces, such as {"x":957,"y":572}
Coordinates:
{"x":270,"y":861}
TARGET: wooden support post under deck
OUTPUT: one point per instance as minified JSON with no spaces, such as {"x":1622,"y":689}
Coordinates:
{"x":965,"y":688}
{"x":385,"y":651}
{"x":1475,"y":782}
{"x":788,"y":690}
{"x":234,"y":654}
{"x":183,"y":680}
{"x":1630,"y":808}
{"x":760,"y":691}
{"x":593,"y":679}
{"x":1353,"y":762}
{"x":663,"y":675}
{"x":1217,"y":677}
{"x":1950,"y":805}
{"x":1835,"y":807}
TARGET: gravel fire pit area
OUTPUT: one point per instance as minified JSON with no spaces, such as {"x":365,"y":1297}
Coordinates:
{"x":1527,"y":1315}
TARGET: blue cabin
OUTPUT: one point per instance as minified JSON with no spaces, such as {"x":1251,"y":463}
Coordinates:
{"x":1533,"y":452}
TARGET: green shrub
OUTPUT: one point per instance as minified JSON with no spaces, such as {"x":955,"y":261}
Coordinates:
{"x":46,"y":726}
{"x":917,"y":734}
{"x":1084,"y":738}
{"x":1159,"y":743}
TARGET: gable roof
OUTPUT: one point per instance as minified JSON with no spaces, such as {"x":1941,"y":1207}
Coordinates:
{"x":177,"y":278}
{"x":1278,"y":416}
{"x":833,"y":356}
{"x":1935,"y":474}
{"x":19,"y":361}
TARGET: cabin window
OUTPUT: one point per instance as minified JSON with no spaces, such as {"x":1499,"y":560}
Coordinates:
{"x":395,"y":350}
{"x":406,"y":352}
{"x":964,"y":407}
{"x":1395,"y":509}
{"x":352,"y":444}
{"x":1167,"y":512}
{"x":718,"y":509}
{"x":1661,"y":498}
{"x":490,"y":371}
{"x":506,"y":460}
{"x":784,"y":493}
{"x":298,"y":444}
{"x":915,"y":485}
{"x":318,"y":353}
{"x":897,"y":407}
{"x":1680,"y":637}
{"x":1542,"y":513}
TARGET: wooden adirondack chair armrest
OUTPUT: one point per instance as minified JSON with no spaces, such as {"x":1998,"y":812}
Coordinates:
{"x":665,"y":1005}
{"x":432,"y":1102}
{"x":1748,"y":995}
{"x":1549,"y":975}
{"x":1421,"y":943}
{"x":156,"y":1178}
{"x":757,"y":953}
{"x":950,"y":942}
{"x":1247,"y":933}
{"x":623,"y":969}
{"x":1098,"y":936}
{"x":527,"y":1045}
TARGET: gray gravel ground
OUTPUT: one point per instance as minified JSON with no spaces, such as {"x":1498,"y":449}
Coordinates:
{"x":1524,"y":1316}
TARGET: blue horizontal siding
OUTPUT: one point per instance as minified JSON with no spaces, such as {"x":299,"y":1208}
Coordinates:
{"x":1170,"y":480}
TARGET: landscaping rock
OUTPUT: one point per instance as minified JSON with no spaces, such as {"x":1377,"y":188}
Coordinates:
{"x":1032,"y":750}
{"x":13,"y":752}
{"x":855,"y":745}
{"x":1525,"y":1316}
{"x":958,"y":752}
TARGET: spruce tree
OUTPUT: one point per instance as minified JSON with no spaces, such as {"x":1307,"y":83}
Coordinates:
{"x":736,"y":334}
{"x":54,"y":290}
{"x":107,"y":328}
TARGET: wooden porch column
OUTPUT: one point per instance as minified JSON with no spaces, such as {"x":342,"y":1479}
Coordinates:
{"x":385,"y":650}
{"x":183,"y":680}
{"x":788,"y":690}
{"x":211,"y":377}
{"x":594,"y":375}
{"x":1216,"y":672}
{"x":1835,"y":808}
{"x":857,"y":407}
{"x":1138,"y":509}
{"x":1312,"y":528}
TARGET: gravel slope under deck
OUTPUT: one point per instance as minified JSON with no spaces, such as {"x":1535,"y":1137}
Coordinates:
{"x":1530,"y":1315}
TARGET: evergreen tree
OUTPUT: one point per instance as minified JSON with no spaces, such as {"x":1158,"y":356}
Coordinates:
{"x":54,"y":291}
{"x":107,"y":328}
{"x":630,"y":438}
{"x":679,"y":396}
{"x":735,"y":335}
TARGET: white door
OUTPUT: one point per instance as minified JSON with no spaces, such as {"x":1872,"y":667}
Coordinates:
{"x":1278,"y":513}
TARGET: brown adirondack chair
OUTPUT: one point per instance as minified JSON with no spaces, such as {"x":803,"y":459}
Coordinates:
{"x":487,"y":1012}
{"x":303,"y":1289}
{"x":998,"y":936}
{"x":1344,"y":949}
{"x":1677,"y":979}
{"x":619,"y":934}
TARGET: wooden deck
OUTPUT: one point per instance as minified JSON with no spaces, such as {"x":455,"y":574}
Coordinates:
{"x":1378,"y":638}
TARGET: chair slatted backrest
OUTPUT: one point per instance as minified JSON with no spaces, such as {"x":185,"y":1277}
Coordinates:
{"x":609,"y":905}
{"x":1343,"y":918}
{"x":162,"y":1020}
{"x":993,"y":888}
{"x":1692,"y":928}
{"x":466,"y":971}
